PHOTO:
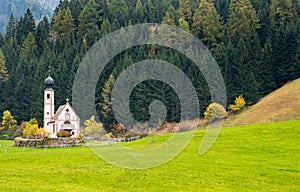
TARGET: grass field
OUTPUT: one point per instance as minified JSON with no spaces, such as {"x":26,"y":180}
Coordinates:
{"x":263,"y":157}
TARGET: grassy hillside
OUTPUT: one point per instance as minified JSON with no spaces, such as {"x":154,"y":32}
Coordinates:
{"x":250,"y":158}
{"x":282,"y":104}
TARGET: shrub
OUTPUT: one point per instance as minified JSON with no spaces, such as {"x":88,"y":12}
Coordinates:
{"x":31,"y":128}
{"x":239,"y":104}
{"x":215,"y":111}
{"x":63,"y":133}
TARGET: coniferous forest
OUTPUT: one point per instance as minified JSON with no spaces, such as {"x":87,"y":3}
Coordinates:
{"x":256,"y":44}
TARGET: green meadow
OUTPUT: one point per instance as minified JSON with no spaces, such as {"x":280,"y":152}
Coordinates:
{"x":264,"y":157}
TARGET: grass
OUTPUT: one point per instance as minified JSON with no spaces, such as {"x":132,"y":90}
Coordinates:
{"x":280,"y":105}
{"x":261,"y":157}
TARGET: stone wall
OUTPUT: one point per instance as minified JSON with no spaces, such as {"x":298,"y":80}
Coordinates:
{"x":48,"y":142}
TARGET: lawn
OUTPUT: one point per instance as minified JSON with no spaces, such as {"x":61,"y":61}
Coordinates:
{"x":261,"y":157}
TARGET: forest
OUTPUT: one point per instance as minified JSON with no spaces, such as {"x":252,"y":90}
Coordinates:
{"x":256,"y":44}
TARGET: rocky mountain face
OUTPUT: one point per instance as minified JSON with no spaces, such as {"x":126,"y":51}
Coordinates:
{"x":39,"y":8}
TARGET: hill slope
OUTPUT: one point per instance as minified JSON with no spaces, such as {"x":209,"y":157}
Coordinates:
{"x":282,"y":104}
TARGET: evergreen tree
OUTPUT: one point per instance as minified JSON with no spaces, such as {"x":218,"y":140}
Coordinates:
{"x":106,"y":107}
{"x":63,"y":4}
{"x":42,"y":33}
{"x":88,"y":18}
{"x":3,"y":69}
{"x":63,"y":23}
{"x":29,"y":46}
{"x":171,"y":17}
{"x":25,"y":26}
{"x":207,"y":24}
{"x":138,"y":13}
{"x":118,"y":12}
{"x":106,"y":27}
{"x":76,"y":6}
{"x":103,"y":8}
{"x":11,"y":27}
{"x":185,"y":11}
{"x":281,"y":12}
{"x":222,"y":7}
{"x":11,"y":51}
{"x":242,"y":19}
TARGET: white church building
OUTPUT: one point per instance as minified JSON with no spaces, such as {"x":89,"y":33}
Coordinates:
{"x":65,"y":118}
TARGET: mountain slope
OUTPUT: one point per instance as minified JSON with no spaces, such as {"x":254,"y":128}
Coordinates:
{"x":39,"y":8}
{"x":282,"y":104}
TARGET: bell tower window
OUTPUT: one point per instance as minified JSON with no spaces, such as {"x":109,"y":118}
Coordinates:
{"x":48,"y":96}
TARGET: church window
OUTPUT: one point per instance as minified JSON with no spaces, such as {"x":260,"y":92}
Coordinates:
{"x":67,"y":116}
{"x":48,"y":96}
{"x":53,"y":129}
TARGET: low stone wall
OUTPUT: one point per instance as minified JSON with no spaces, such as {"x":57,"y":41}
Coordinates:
{"x":48,"y":142}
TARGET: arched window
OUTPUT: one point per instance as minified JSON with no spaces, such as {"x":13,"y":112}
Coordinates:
{"x":48,"y":96}
{"x":67,"y":122}
{"x":67,"y":116}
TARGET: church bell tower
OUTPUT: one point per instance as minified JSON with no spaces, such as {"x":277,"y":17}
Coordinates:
{"x":49,"y":105}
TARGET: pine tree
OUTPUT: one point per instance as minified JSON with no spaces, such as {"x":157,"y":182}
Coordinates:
{"x":185,"y":11}
{"x":138,"y":13}
{"x":63,"y":4}
{"x":63,"y":23}
{"x":208,"y":24}
{"x":106,"y":27}
{"x":281,"y":12}
{"x":29,"y":46}
{"x":42,"y":33}
{"x":25,"y":26}
{"x":102,"y":8}
{"x":88,"y":17}
{"x":11,"y":27}
{"x":171,"y":17}
{"x":106,"y":106}
{"x":119,"y":11}
{"x":242,"y":19}
{"x":3,"y":69}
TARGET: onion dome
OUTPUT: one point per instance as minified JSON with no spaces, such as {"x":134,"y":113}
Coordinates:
{"x":49,"y":82}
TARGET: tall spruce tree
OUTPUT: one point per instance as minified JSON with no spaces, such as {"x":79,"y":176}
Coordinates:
{"x":242,"y":19}
{"x":28,"y":49}
{"x":138,"y":13}
{"x":11,"y":27}
{"x":118,"y":12}
{"x":3,"y":68}
{"x":171,"y":17}
{"x":89,"y":17}
{"x":208,"y":24}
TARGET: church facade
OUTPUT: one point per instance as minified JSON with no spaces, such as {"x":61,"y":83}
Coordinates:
{"x":65,"y":118}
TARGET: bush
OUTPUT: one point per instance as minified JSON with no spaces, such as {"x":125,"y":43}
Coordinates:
{"x":239,"y":104}
{"x":63,"y":133}
{"x":31,"y":128}
{"x":215,"y":111}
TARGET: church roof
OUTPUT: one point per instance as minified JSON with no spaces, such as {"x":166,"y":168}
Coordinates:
{"x":60,"y":110}
{"x":49,"y":82}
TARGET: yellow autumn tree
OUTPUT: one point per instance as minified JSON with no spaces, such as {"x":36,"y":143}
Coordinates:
{"x":239,"y":104}
{"x":31,"y":128}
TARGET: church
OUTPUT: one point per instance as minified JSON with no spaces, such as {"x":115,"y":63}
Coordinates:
{"x":65,"y":118}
